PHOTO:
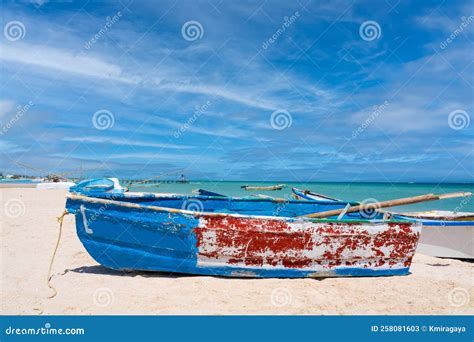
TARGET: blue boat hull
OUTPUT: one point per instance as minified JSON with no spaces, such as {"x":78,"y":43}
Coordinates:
{"x":127,"y":232}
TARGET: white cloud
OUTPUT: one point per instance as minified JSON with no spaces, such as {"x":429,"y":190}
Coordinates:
{"x":222,"y":92}
{"x":9,"y":147}
{"x":123,"y":142}
{"x":6,"y":106}
{"x":159,"y":157}
{"x":262,"y":94}
{"x":39,"y":2}
{"x":62,"y":60}
{"x":227,"y":132}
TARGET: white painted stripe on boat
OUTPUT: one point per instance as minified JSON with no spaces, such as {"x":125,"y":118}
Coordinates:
{"x":84,"y":220}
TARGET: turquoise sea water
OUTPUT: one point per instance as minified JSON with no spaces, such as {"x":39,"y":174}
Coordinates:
{"x":344,"y":191}
{"x":19,"y":181}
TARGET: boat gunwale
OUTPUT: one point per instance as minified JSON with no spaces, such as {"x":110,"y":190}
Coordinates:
{"x":90,"y":199}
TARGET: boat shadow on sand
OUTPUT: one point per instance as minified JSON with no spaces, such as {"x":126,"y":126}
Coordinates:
{"x":98,"y":269}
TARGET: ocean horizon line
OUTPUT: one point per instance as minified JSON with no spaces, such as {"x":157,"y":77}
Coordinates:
{"x":295,"y":181}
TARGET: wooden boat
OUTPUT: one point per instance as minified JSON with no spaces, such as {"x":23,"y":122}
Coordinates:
{"x":203,"y":192}
{"x":269,"y":188}
{"x":236,"y":237}
{"x":309,"y":195}
{"x":445,"y":233}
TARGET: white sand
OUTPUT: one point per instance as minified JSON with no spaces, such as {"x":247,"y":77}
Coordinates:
{"x":436,"y":286}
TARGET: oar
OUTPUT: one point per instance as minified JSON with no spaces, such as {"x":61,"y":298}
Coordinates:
{"x":390,"y":203}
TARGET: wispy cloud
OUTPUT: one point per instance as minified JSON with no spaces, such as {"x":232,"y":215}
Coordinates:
{"x":123,"y":142}
{"x":6,"y":106}
{"x":226,"y":132}
{"x":85,"y":65}
{"x":61,"y":60}
{"x":222,"y":92}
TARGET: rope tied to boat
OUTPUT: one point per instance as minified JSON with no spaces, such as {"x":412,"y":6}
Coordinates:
{"x":50,"y":276}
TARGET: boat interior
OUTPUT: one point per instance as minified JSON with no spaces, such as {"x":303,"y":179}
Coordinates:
{"x":230,"y":205}
{"x":259,"y":206}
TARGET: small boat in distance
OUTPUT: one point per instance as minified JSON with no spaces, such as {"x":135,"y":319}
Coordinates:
{"x":309,"y":195}
{"x":268,"y":188}
{"x":234,"y":237}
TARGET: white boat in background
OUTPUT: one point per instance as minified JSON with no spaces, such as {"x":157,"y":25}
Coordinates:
{"x":268,"y":188}
{"x":445,"y":234}
{"x":313,"y":196}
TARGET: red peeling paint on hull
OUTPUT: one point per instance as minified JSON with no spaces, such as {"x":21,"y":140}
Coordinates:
{"x":268,"y":243}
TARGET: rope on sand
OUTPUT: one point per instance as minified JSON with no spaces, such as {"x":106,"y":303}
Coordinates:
{"x":60,"y":220}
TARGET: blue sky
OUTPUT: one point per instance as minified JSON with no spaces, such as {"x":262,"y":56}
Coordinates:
{"x":251,"y":90}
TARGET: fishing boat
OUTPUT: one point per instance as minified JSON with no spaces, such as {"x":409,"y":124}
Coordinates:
{"x":310,"y":195}
{"x":445,"y":234}
{"x":268,"y":188}
{"x":235,"y":237}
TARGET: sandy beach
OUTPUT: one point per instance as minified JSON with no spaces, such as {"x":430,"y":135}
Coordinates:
{"x":29,"y":231}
